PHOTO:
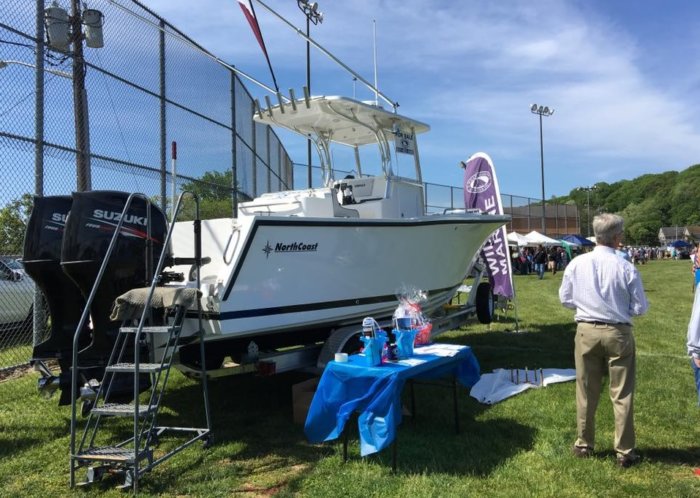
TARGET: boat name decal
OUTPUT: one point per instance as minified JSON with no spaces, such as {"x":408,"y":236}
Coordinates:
{"x":101,"y":214}
{"x":292,"y":247}
{"x":478,"y":182}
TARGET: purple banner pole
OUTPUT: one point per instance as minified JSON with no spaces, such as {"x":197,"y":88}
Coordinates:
{"x":481,"y":192}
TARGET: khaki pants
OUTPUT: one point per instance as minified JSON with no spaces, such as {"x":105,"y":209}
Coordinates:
{"x":598,"y":347}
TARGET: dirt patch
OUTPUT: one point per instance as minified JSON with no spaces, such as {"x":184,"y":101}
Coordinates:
{"x":14,"y":373}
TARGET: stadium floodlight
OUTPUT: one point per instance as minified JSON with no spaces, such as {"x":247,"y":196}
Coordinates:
{"x":542,"y":111}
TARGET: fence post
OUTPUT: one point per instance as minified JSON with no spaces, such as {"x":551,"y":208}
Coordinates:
{"x":163,"y":131}
{"x":234,"y":145}
{"x":39,"y":313}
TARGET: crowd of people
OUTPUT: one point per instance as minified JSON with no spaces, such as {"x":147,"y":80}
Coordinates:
{"x":539,"y":260}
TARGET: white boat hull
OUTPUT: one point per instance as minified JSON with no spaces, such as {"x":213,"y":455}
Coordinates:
{"x":296,"y":274}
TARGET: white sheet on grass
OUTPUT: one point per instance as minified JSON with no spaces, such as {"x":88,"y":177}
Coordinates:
{"x":504,"y":383}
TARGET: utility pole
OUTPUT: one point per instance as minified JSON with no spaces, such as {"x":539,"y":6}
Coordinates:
{"x":82,"y":141}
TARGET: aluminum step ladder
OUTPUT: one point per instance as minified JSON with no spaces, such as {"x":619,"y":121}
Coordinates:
{"x":134,"y":456}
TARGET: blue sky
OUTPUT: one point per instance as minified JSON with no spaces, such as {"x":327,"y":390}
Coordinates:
{"x":623,"y":77}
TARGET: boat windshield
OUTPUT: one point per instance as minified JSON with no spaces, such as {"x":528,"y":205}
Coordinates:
{"x":348,"y":122}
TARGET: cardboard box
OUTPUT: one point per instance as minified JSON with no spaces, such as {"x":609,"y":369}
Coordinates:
{"x":302,"y":394}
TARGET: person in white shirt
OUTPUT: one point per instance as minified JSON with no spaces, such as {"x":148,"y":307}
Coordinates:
{"x":606,"y":291}
{"x":694,"y":341}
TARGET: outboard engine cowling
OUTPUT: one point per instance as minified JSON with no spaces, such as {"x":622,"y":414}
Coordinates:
{"x":42,"y":262}
{"x":88,"y":233}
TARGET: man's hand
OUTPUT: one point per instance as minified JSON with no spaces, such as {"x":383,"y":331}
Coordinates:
{"x":696,"y":360}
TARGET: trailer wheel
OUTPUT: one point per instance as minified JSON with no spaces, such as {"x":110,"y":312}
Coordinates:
{"x":340,"y":341}
{"x":484,"y":303}
{"x":190,"y":356}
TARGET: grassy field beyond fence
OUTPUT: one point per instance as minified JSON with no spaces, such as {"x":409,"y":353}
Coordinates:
{"x":520,"y":447}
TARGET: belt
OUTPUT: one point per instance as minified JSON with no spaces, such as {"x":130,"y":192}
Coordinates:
{"x":595,"y":322}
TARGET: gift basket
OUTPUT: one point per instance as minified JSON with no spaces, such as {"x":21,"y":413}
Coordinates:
{"x":409,"y":315}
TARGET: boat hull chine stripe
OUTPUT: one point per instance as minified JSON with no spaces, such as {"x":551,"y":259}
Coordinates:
{"x":304,"y":308}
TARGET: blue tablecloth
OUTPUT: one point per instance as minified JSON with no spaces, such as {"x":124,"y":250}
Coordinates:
{"x":375,"y":392}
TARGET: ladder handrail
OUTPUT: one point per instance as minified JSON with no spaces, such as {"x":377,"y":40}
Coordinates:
{"x":145,"y":313}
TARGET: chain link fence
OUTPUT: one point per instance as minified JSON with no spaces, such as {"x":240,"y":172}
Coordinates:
{"x":526,"y":213}
{"x":148,"y":86}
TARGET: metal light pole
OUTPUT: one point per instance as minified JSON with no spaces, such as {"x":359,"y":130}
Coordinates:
{"x":588,"y":208}
{"x":312,"y":14}
{"x":588,"y":212}
{"x":542,"y":111}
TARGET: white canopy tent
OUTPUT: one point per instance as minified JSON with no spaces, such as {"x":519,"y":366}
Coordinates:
{"x":536,"y":237}
{"x":520,"y":240}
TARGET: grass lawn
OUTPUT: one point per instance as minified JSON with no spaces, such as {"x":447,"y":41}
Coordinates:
{"x":520,"y":447}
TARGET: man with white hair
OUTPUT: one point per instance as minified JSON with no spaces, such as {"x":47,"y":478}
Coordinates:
{"x":606,"y":291}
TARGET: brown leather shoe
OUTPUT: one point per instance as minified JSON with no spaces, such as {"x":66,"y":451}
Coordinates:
{"x":582,"y":451}
{"x":626,"y":461}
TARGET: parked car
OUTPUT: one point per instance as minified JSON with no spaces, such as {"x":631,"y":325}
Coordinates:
{"x":16,"y":294}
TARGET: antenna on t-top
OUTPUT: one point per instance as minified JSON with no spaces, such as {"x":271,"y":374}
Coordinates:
{"x":374,"y":42}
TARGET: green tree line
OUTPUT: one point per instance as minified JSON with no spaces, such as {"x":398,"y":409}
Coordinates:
{"x":647,"y":203}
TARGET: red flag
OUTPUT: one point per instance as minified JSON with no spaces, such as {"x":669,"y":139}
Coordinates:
{"x":247,"y":9}
{"x":249,"y":12}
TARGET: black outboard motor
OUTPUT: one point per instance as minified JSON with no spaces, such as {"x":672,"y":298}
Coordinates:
{"x":42,"y":262}
{"x":65,"y":243}
{"x":88,"y":233}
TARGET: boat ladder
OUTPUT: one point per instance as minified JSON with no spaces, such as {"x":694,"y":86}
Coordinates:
{"x":135,"y":455}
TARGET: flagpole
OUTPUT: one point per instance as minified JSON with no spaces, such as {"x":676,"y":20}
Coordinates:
{"x":369,"y":85}
{"x":262,"y":43}
{"x":515,"y":305}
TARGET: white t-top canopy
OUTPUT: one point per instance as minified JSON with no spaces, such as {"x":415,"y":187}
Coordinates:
{"x":338,"y":119}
